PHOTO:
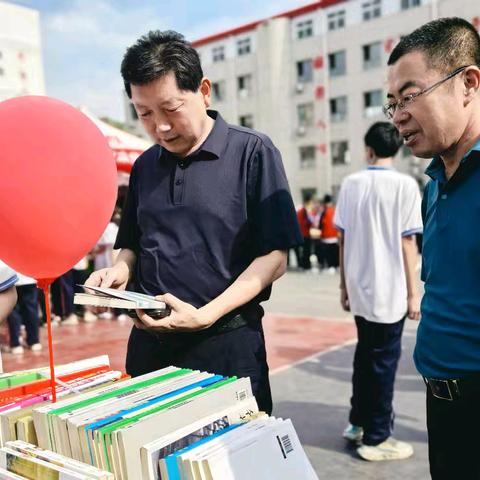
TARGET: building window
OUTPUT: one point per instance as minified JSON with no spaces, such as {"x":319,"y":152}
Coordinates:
{"x":372,"y":102}
{"x":243,"y":46}
{"x":246,"y":121}
{"x":372,"y":55}
{"x":2,"y":72}
{"x":406,"y":4}
{"x":218,"y":91}
{"x":305,"y":29}
{"x":340,"y":153}
{"x":218,"y":54}
{"x":337,"y":63}
{"x":336,"y":20}
{"x":307,"y":157}
{"x":338,"y":109}
{"x":305,"y":71}
{"x":244,"y":84}
{"x":372,"y":9}
{"x":305,"y":114}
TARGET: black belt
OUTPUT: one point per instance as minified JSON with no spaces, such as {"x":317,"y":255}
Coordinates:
{"x":251,"y":315}
{"x":453,"y":389}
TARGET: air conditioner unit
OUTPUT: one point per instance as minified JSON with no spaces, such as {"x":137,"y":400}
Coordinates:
{"x":301,"y":131}
{"x":299,"y":88}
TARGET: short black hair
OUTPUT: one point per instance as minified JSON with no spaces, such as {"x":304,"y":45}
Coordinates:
{"x":384,"y":139}
{"x":158,"y":53}
{"x":447,"y":43}
{"x":327,"y":198}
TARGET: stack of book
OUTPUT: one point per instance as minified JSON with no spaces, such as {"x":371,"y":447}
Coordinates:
{"x":174,"y":423}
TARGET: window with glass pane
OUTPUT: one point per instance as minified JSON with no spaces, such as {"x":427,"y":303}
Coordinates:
{"x":218,"y":54}
{"x":339,"y":152}
{"x":371,"y":9}
{"x":406,"y":4}
{"x":336,"y":20}
{"x":337,"y":63}
{"x":372,"y":55}
{"x":305,"y":29}
{"x":246,"y":121}
{"x":307,"y":157}
{"x":305,"y":114}
{"x":243,"y":47}
{"x":372,"y":102}
{"x":244,"y":83}
{"x":338,"y":109}
{"x":305,"y":71}
{"x":218,"y":91}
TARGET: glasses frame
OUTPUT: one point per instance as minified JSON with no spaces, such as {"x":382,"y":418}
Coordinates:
{"x":389,"y":109}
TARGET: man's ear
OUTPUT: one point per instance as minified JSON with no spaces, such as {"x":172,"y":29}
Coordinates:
{"x":206,"y":91}
{"x":471,"y":83}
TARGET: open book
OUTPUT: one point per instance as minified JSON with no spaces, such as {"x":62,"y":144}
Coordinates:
{"x":113,"y":298}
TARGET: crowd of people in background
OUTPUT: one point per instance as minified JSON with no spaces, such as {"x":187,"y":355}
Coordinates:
{"x":320,"y":236}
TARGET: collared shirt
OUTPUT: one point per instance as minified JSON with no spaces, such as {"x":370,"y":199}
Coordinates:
{"x":196,"y":223}
{"x":376,"y":208}
{"x":8,"y":277}
{"x":448,"y":338}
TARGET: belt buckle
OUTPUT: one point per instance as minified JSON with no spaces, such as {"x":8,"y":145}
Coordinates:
{"x":435,"y":388}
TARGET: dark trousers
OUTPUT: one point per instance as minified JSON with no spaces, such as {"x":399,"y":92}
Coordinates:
{"x":62,"y":292}
{"x":330,"y":254}
{"x":453,"y":428}
{"x":374,"y":369}
{"x":306,"y":252}
{"x":26,"y":312}
{"x":239,"y":352}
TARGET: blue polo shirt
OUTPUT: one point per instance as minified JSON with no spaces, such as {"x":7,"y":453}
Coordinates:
{"x":197,"y":223}
{"x":448,"y":337}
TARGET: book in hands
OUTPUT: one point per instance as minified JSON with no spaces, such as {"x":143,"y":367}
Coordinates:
{"x":131,"y":301}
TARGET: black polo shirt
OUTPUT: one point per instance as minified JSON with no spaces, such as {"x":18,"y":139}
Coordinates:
{"x":196,"y":223}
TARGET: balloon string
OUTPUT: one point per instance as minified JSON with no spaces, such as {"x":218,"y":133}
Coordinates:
{"x":46,"y":288}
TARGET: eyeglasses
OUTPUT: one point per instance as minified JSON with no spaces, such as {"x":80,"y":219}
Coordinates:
{"x":389,"y":109}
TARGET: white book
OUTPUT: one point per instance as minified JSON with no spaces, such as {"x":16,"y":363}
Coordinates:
{"x":273,"y":453}
{"x":189,"y":462}
{"x":132,"y":437}
{"x":114,"y":298}
{"x":153,"y":452}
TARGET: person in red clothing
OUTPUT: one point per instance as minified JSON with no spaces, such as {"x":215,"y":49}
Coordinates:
{"x":329,"y":235}
{"x":305,"y":223}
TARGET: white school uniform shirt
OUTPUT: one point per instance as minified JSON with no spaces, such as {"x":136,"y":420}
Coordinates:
{"x":376,"y":208}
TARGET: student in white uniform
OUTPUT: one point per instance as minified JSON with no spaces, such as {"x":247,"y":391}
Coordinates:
{"x":378,"y":213}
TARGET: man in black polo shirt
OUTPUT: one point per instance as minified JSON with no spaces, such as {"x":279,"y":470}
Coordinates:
{"x":206,"y":224}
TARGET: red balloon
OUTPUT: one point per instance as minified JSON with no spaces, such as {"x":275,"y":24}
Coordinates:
{"x":58,"y":185}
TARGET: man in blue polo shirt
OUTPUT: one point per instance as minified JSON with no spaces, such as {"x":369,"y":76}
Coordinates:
{"x":207,"y":222}
{"x":433,"y":86}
